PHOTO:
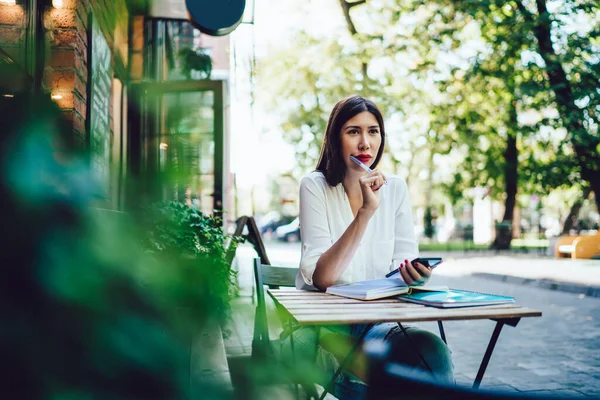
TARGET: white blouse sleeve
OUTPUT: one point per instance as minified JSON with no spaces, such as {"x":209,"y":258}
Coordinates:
{"x":405,"y":243}
{"x":314,"y":228}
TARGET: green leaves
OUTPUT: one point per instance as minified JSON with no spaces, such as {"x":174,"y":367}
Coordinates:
{"x":195,"y":60}
{"x":184,"y":238}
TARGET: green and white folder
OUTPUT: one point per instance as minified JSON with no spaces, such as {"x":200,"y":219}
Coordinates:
{"x":454,"y":298}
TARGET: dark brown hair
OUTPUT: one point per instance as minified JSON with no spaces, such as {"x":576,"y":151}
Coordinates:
{"x":330,"y":162}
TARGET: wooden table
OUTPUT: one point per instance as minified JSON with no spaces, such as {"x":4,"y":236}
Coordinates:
{"x":320,"y":309}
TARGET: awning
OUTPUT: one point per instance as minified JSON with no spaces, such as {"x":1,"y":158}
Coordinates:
{"x":168,"y":9}
{"x":216,"y":18}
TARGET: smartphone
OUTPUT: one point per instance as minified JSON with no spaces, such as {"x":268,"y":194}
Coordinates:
{"x":430,"y":262}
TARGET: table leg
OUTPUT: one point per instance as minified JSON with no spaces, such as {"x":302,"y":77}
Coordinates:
{"x":442,"y":333}
{"x":488,"y":354}
{"x":314,"y":394}
{"x":329,"y":387}
{"x":294,"y":363}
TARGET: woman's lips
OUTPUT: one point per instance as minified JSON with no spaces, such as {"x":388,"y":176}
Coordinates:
{"x":364,"y":159}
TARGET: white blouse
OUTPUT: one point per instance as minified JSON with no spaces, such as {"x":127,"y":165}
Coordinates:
{"x":325,"y":214}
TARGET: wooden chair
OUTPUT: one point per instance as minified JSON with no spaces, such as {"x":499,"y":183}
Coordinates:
{"x":274,"y":278}
{"x":262,"y":346}
{"x":253,"y":237}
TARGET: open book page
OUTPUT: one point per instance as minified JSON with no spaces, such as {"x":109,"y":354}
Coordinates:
{"x":377,"y":288}
{"x":370,"y":289}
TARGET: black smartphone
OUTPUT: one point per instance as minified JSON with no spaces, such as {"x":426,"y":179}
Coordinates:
{"x":430,"y":262}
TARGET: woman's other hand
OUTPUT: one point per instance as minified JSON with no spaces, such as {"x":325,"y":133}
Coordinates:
{"x":414,"y":274}
{"x":370,"y":185}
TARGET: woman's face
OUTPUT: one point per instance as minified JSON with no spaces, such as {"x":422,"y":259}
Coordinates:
{"x":360,"y":137}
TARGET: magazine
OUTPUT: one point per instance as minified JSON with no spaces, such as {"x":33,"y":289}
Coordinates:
{"x":454,"y":298}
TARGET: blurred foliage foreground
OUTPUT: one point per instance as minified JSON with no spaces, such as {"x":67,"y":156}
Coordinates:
{"x":95,"y":303}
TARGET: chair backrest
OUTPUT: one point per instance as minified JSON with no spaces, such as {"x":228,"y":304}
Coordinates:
{"x":273,"y":277}
{"x":253,"y":236}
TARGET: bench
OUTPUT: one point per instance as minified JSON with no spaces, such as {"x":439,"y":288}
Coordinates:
{"x":578,"y":246}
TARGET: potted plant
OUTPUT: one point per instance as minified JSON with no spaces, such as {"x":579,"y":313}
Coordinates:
{"x":182,"y":237}
{"x":193,"y":246}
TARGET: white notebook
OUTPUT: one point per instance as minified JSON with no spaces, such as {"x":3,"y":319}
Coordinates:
{"x":378,"y":288}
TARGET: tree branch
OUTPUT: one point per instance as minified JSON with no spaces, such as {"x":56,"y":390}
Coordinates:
{"x":346,"y":6}
{"x":526,"y":14}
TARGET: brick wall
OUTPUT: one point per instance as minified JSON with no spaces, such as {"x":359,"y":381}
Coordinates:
{"x":12,"y":30}
{"x":66,"y":73}
{"x":137,"y":48}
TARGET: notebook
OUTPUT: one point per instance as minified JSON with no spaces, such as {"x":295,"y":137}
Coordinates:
{"x":455,"y":298}
{"x":378,"y":288}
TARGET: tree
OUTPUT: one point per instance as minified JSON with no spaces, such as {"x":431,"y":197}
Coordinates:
{"x":513,"y":85}
{"x":573,"y":74}
{"x":462,"y":77}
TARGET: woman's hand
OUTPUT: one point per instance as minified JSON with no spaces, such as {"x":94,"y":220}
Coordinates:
{"x":414,"y":275}
{"x":369,"y":185}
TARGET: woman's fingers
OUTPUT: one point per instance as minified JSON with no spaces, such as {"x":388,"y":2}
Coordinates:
{"x":406,"y":276}
{"x":412,"y":271}
{"x":374,"y":180}
{"x":423,"y":270}
{"x":414,"y":275}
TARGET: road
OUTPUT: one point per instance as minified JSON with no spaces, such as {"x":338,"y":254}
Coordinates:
{"x":558,"y":353}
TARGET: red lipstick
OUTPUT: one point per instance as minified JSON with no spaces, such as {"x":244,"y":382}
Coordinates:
{"x":364,"y":158}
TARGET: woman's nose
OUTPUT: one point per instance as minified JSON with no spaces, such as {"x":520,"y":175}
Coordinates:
{"x":364,"y":142}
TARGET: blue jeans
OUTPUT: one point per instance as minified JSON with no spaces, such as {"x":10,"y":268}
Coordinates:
{"x":402,"y":350}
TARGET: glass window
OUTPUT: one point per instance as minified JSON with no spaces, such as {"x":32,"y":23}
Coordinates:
{"x":187,"y":148}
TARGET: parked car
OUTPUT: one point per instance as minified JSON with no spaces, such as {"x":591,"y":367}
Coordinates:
{"x":271,"y":221}
{"x":289,"y":232}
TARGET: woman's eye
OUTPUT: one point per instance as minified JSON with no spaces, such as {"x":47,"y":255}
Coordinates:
{"x":352,"y":131}
{"x":373,"y":131}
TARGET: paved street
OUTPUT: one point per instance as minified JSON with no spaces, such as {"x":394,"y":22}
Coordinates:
{"x":559,"y":352}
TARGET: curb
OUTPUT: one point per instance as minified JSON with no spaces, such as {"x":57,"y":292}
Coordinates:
{"x":549,"y":284}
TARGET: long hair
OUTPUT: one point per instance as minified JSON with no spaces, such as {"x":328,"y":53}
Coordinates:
{"x":330,"y":162}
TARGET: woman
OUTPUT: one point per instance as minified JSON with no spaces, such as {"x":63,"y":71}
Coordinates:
{"x":355,"y":226}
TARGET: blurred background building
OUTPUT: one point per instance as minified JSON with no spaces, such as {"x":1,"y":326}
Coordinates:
{"x":142,"y":88}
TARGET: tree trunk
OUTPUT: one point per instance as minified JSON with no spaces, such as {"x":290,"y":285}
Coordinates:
{"x":584,"y":144}
{"x":511,"y":179}
{"x":511,"y":167}
{"x":574,"y":212}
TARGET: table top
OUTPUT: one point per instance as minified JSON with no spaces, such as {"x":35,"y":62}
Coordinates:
{"x":317,"y":308}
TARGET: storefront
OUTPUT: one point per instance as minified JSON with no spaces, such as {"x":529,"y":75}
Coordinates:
{"x":142,"y":89}
{"x":178,"y":118}
{"x":75,"y":52}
